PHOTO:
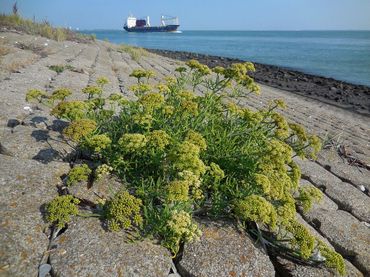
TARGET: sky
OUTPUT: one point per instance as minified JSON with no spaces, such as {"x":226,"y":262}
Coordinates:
{"x":202,"y":14}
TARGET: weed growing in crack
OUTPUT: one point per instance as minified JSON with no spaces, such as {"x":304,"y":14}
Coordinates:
{"x":78,"y":174}
{"x":60,"y":210}
{"x":135,"y":52}
{"x":57,"y":68}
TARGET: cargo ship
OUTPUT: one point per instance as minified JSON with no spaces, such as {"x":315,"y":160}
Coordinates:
{"x":168,"y":24}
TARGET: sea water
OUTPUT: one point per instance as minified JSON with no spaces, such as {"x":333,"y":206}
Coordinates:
{"x":343,"y":55}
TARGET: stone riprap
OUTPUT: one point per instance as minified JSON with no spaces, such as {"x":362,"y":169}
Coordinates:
{"x":86,"y":249}
{"x":224,"y":251}
{"x":33,"y":159}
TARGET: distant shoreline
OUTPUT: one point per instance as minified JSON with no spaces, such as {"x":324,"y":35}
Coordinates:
{"x":342,"y":94}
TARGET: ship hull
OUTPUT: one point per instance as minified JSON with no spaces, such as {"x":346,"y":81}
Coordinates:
{"x":154,"y":29}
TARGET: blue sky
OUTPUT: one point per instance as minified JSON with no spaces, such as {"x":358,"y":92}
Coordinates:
{"x":203,"y":14}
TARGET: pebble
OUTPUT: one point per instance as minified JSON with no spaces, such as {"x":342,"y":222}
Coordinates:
{"x":44,"y":269}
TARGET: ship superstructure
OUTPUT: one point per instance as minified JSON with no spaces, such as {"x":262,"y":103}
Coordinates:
{"x":168,"y":24}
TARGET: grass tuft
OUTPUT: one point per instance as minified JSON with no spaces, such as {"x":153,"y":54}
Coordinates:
{"x":44,"y":29}
{"x":57,"y":68}
{"x":135,"y":52}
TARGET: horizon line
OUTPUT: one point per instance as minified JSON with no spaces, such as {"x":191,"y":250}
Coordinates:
{"x":244,"y":30}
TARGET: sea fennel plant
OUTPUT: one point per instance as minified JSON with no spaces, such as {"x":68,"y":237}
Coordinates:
{"x":182,"y":154}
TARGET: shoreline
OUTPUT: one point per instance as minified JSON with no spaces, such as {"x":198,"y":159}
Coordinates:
{"x":352,"y":97}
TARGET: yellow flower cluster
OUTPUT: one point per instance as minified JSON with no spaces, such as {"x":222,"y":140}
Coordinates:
{"x":117,"y":98}
{"x":253,"y":117}
{"x":256,"y":208}
{"x":181,"y":228}
{"x":123,"y":211}
{"x":307,"y":196}
{"x":140,"y":73}
{"x":196,"y":139}
{"x":187,"y":158}
{"x":299,"y":131}
{"x":132,"y":142}
{"x":316,"y":144}
{"x":158,"y":139}
{"x":35,"y":94}
{"x":279,"y":153}
{"x":168,"y":110}
{"x":282,"y":126}
{"x":187,"y":95}
{"x":238,"y":72}
{"x":197,"y":66}
{"x":162,"y":88}
{"x":286,"y":210}
{"x":294,"y":174}
{"x":143,"y":119}
{"x":60,"y":94}
{"x":102,"y":81}
{"x":151,"y":101}
{"x":170,"y":82}
{"x":103,"y":170}
{"x":178,"y":191}
{"x":282,"y":184}
{"x":98,"y":143}
{"x":302,"y":239}
{"x":332,"y":258}
{"x":92,"y":91}
{"x":79,"y":128}
{"x":234,"y":109}
{"x":140,"y":89}
{"x":218,"y":70}
{"x":189,"y":107}
{"x":194,"y":184}
{"x":263,"y":182}
{"x":71,"y":110}
{"x":60,"y":210}
{"x":280,"y":103}
{"x":78,"y":174}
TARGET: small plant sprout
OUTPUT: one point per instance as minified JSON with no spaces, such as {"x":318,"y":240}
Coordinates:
{"x":60,"y":210}
{"x":36,"y":95}
{"x":78,"y":174}
{"x":92,"y":91}
{"x":102,"y":81}
{"x":57,"y":68}
{"x":60,"y":94}
{"x":139,"y":74}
